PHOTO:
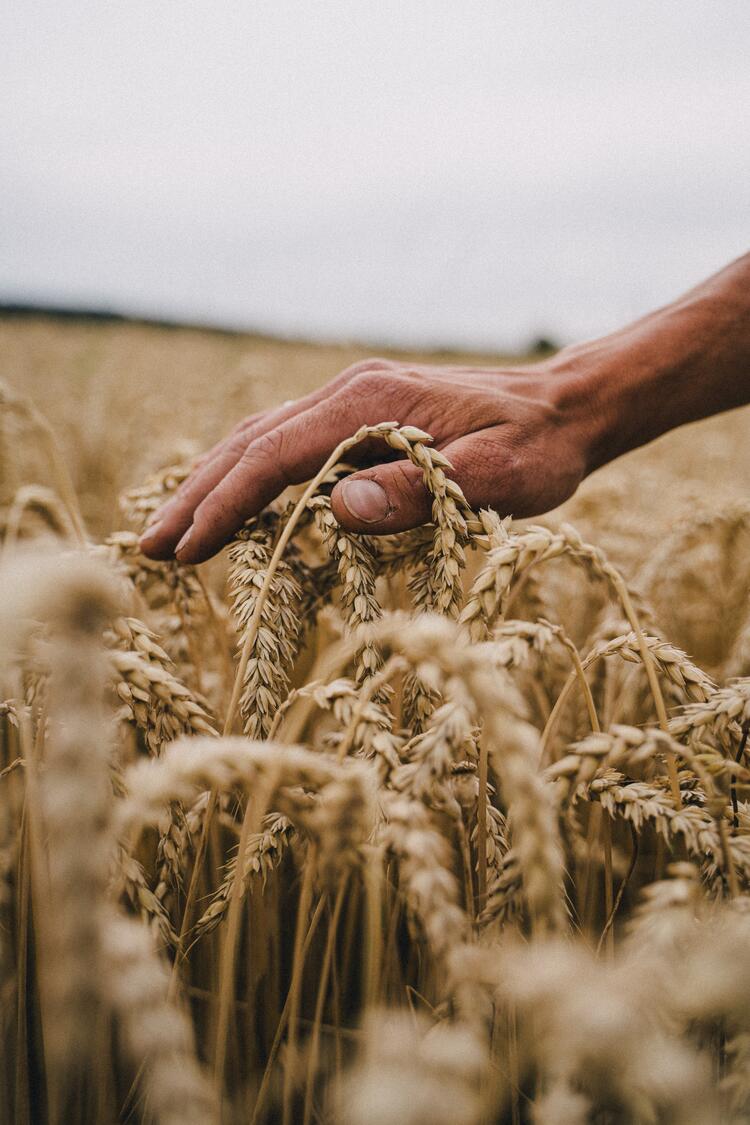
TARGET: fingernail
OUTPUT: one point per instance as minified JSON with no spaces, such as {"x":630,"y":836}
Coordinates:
{"x":365,"y":500}
{"x":184,"y":542}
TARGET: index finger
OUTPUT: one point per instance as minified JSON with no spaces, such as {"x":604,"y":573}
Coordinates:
{"x":171,"y":522}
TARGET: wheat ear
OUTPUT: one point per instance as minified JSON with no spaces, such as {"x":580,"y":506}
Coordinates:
{"x":76,"y":798}
{"x":262,"y":854}
{"x":266,"y":673}
{"x":357,"y":572}
{"x":489,"y":593}
{"x":514,"y":750}
{"x":404,"y":439}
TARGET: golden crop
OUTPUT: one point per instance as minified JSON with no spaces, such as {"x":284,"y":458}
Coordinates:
{"x":440,"y":828}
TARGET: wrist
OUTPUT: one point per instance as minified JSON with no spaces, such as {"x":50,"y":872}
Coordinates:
{"x":595,"y":401}
{"x":681,"y":363}
{"x":590,"y":399}
{"x":628,"y":388}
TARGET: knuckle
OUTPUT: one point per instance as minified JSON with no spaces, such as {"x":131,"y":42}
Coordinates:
{"x":267,"y":447}
{"x":368,"y":384}
{"x":192,"y":484}
{"x":413,"y":374}
{"x":485,"y":469}
{"x":372,"y":366}
{"x":237,"y":444}
{"x":271,"y":460}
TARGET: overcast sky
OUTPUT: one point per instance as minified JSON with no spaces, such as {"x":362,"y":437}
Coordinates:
{"x":469,"y":171}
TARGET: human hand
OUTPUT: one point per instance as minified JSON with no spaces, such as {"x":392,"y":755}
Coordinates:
{"x":517,"y":440}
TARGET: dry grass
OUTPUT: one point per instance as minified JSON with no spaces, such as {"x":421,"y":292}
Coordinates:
{"x":474,"y":846}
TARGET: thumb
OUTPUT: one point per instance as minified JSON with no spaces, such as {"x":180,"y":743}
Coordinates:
{"x":381,"y":500}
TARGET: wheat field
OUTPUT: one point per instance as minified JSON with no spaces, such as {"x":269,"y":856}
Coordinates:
{"x":443,"y":828}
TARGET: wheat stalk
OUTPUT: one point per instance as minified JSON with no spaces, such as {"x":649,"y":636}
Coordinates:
{"x":156,"y":1033}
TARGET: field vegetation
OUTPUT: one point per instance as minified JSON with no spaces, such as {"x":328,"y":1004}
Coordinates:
{"x":443,"y":828}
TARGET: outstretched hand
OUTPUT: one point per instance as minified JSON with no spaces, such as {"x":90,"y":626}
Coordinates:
{"x":516,"y":439}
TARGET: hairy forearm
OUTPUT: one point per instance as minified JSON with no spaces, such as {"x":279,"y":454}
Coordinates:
{"x":686,"y":361}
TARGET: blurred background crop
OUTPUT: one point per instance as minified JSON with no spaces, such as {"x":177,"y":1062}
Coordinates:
{"x":419,"y":173}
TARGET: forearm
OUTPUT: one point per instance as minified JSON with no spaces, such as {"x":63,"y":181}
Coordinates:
{"x":686,"y":361}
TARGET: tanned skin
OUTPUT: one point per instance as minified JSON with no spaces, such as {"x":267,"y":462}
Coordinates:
{"x":520,"y":439}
